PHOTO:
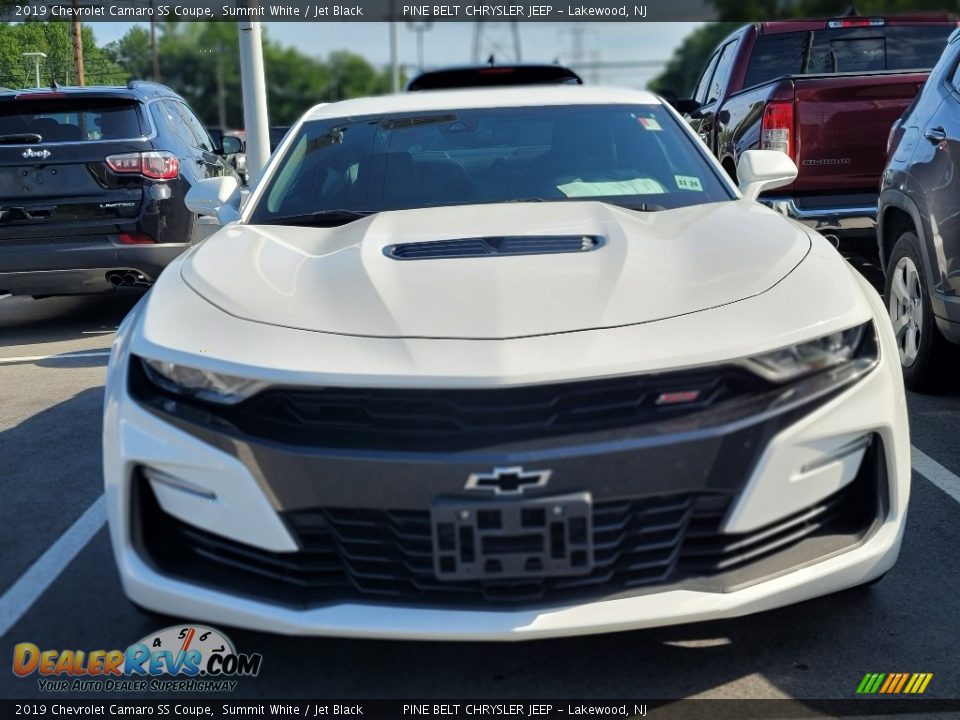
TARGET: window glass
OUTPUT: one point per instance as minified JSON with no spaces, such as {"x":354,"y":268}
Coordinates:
{"x":197,"y":129}
{"x":720,"y":74}
{"x":71,"y":120}
{"x":629,"y":155}
{"x":703,"y":85}
{"x":840,"y":50}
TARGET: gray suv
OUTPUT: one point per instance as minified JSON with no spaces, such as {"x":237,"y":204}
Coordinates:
{"x":918,"y":230}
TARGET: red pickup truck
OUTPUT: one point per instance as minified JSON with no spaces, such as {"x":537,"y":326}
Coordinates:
{"x":826,"y":92}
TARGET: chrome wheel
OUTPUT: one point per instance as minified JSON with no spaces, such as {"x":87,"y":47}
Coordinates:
{"x":906,"y":309}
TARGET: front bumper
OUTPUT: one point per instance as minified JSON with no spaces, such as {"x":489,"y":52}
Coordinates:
{"x":792,"y":469}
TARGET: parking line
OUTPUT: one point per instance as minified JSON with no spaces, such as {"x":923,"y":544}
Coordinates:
{"x":936,"y":473}
{"x":16,"y":601}
{"x":60,"y":356}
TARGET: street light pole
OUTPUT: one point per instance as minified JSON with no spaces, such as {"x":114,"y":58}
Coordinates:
{"x":36,"y":62}
{"x":254,"y":87}
{"x":419,"y":28}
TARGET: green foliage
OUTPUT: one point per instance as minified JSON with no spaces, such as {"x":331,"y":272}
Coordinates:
{"x":688,"y":60}
{"x":52,"y":38}
{"x":189,"y":55}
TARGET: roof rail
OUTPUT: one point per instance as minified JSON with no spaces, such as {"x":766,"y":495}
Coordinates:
{"x":147,"y":86}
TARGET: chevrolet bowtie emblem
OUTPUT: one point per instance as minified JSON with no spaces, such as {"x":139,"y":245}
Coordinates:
{"x":508,"y":480}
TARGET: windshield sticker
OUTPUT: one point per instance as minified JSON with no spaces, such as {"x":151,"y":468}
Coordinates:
{"x":649,"y":123}
{"x":636,"y":186}
{"x":686,"y":182}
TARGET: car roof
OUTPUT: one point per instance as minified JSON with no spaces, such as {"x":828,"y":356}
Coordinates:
{"x":521,"y":96}
{"x":489,"y":75}
{"x":133,"y":89}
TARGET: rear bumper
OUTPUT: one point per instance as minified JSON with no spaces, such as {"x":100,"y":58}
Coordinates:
{"x":80,"y":269}
{"x":827,"y":217}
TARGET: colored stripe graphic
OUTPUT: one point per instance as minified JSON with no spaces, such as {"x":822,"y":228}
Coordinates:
{"x":894,"y":683}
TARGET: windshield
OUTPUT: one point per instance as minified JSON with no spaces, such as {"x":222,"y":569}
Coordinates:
{"x":637,"y":156}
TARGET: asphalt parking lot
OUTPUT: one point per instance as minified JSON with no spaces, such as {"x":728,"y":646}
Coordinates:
{"x":59,"y":588}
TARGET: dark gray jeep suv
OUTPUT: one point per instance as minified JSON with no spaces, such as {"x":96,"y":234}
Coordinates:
{"x":918,"y":229}
{"x":92,"y":186}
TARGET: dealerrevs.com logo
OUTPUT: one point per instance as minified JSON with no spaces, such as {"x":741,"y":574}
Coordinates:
{"x":181,"y":658}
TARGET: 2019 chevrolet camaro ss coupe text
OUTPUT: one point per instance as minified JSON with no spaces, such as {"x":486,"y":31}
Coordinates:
{"x":502,"y":364}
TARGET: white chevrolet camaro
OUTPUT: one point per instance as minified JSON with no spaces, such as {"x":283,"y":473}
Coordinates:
{"x":502,"y":364}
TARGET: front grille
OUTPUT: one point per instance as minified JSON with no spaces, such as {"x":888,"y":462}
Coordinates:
{"x":386,"y":555}
{"x":47,"y":240}
{"x":450,"y":420}
{"x":492,"y":246}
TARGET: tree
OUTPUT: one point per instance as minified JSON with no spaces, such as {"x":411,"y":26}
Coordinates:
{"x":196,"y":57}
{"x":52,"y":38}
{"x":688,"y":60}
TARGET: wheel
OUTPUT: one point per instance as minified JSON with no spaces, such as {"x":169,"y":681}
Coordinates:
{"x":923,"y":350}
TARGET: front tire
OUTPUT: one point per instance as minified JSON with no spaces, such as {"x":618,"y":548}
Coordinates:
{"x":922,"y":348}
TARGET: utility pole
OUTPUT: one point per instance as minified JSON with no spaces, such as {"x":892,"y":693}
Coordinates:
{"x":394,"y":62}
{"x":489,"y":41}
{"x":154,"y":60}
{"x":419,"y":28}
{"x":252,"y":79}
{"x":221,"y":90}
{"x":77,"y":42}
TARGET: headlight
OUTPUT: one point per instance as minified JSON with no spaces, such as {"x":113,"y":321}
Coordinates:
{"x":201,"y":384}
{"x":825,"y":352}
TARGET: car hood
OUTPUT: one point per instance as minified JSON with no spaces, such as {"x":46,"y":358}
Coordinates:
{"x":651,"y":266}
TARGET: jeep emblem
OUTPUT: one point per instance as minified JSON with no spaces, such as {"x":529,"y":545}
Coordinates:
{"x":31,"y":153}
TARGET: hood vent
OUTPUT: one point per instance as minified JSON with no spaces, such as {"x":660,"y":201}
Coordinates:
{"x":493,"y":246}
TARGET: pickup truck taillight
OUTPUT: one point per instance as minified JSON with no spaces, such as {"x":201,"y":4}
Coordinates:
{"x":777,"y":129}
{"x":153,"y":165}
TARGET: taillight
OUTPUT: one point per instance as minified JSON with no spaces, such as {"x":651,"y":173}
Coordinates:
{"x":777,"y":128}
{"x":135,"y":239}
{"x":153,"y":165}
{"x":857,"y":22}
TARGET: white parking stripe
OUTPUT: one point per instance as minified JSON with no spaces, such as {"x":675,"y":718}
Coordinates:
{"x":39,"y":576}
{"x":936,"y":473}
{"x":61,"y":356}
{"x":34,"y":582}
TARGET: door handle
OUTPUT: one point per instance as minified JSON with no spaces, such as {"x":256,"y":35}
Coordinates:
{"x":935,"y":135}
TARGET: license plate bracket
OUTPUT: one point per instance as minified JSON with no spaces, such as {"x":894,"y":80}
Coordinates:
{"x":530,"y":538}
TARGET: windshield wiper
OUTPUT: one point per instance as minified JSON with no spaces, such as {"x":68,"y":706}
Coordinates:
{"x":322,"y":218}
{"x":15,"y":138}
{"x":641,"y":207}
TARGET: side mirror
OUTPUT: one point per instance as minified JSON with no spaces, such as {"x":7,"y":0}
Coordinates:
{"x":217,"y":196}
{"x":762,"y":170}
{"x":687,"y":106}
{"x":230,"y":145}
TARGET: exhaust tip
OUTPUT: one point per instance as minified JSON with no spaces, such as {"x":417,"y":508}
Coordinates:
{"x":115,"y":278}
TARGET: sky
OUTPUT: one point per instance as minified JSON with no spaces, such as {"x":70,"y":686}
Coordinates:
{"x":640,"y":48}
